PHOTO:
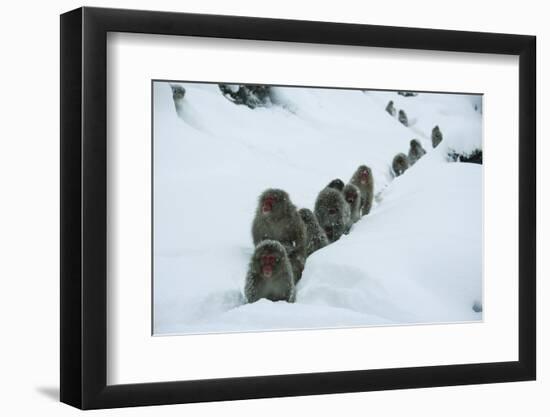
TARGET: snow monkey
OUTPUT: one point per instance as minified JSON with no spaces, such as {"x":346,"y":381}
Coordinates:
{"x":270,"y":274}
{"x":400,"y":164}
{"x":390,"y":109}
{"x":316,"y":237}
{"x":352,"y":195}
{"x":362,"y":179}
{"x":337,"y":184}
{"x":437,"y":136}
{"x":416,"y":151}
{"x":333,"y":213}
{"x":402,"y":117}
{"x":178,"y":92}
{"x":277,"y":219}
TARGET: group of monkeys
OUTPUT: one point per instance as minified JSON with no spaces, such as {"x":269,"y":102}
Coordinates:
{"x":402,"y":162}
{"x":285,"y":236}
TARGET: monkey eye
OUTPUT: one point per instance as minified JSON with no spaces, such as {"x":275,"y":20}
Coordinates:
{"x":332,"y":211}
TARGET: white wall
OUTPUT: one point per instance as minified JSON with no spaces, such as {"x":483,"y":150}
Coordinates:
{"x":29,"y":238}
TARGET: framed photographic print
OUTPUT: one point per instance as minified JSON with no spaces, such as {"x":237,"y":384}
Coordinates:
{"x":257,"y":207}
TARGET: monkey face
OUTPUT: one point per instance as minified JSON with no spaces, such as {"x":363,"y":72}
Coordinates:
{"x":268,"y":203}
{"x":364,"y":175}
{"x":273,"y":202}
{"x":351,"y":196}
{"x":268,"y":262}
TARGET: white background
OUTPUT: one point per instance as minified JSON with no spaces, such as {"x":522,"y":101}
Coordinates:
{"x":29,"y":229}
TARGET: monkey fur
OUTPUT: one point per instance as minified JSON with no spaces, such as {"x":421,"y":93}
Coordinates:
{"x":337,"y":184}
{"x":437,"y":136}
{"x":402,"y":117}
{"x":270,"y":274}
{"x":416,"y":151}
{"x":333,"y":213}
{"x":278,"y":219}
{"x":316,"y":236}
{"x":400,"y":164}
{"x":362,"y":179}
{"x":352,"y":195}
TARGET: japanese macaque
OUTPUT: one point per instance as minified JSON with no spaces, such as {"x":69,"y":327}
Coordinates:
{"x":416,"y":151}
{"x":362,"y":179}
{"x":337,"y":184}
{"x":402,"y":117}
{"x":178,"y":93}
{"x":316,"y":237}
{"x":390,"y":109}
{"x":437,"y":136}
{"x":333,"y":213}
{"x":270,"y":274}
{"x":278,"y":219}
{"x":352,"y":195}
{"x":400,"y":164}
{"x":477,"y":307}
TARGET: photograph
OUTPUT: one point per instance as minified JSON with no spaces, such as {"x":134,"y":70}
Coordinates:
{"x":303,"y":207}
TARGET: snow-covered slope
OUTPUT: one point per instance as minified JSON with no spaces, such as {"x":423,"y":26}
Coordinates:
{"x":415,"y":259}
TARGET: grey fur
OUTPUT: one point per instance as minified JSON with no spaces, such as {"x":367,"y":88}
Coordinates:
{"x":416,"y":151}
{"x":352,"y":195}
{"x":279,"y":284}
{"x":437,"y":136}
{"x":283,"y":224}
{"x":477,"y":307}
{"x":402,"y":117}
{"x":337,"y":184}
{"x":316,"y":236}
{"x":400,"y":164}
{"x":178,"y":93}
{"x":333,"y":213}
{"x":390,"y":109}
{"x":362,"y":179}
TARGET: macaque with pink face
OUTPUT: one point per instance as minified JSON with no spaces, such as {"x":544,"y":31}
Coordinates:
{"x":278,"y":219}
{"x":270,"y":274}
{"x":352,"y":195}
{"x":362,"y":179}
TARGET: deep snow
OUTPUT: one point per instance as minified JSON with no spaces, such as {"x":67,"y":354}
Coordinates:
{"x":417,"y":258}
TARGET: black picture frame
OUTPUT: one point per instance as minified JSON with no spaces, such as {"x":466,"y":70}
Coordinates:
{"x":84,"y":207}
